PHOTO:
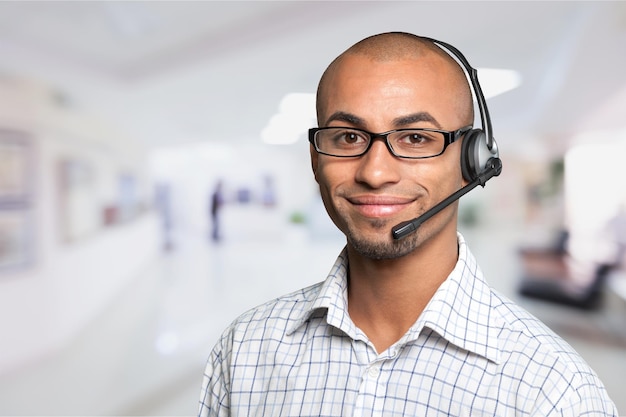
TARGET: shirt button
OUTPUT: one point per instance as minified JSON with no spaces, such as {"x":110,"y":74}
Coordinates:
{"x":373,"y":372}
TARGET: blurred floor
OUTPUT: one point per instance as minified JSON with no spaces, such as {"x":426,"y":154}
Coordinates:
{"x":145,"y":355}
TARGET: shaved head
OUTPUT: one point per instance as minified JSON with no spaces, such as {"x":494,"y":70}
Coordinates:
{"x":396,"y":46}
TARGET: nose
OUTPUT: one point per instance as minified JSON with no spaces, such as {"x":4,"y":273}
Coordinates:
{"x":378,"y":166}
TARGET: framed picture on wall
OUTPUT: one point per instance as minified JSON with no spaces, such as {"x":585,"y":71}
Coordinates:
{"x":15,"y":168}
{"x":15,"y":239}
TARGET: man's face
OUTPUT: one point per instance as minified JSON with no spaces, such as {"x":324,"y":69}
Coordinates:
{"x":366,"y":196}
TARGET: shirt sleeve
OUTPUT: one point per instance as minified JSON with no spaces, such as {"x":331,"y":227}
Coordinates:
{"x":584,"y":396}
{"x":214,"y":395}
{"x":588,"y":398}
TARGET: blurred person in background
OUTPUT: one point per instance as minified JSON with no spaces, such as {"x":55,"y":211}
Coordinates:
{"x":402,"y":326}
{"x":215,"y":207}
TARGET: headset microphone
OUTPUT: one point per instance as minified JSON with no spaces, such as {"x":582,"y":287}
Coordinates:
{"x":403,"y":229}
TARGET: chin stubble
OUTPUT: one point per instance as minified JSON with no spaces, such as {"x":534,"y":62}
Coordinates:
{"x":388,"y":248}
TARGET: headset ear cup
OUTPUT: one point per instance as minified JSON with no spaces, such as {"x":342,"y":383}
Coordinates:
{"x":475,"y":154}
{"x":468,"y":154}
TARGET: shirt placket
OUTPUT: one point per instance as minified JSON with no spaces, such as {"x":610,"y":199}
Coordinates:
{"x":374,"y":380}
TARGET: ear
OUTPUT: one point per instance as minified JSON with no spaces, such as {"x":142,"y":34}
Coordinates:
{"x":314,"y":160}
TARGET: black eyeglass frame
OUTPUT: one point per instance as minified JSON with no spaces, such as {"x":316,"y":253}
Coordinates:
{"x":450,"y":136}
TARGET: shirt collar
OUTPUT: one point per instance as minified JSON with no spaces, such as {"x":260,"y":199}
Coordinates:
{"x":333,"y":297}
{"x":460,"y":311}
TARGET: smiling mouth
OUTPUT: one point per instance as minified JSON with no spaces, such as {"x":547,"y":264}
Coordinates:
{"x":378,"y":207}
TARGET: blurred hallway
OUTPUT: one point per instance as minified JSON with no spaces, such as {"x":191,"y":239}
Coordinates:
{"x":145,"y":354}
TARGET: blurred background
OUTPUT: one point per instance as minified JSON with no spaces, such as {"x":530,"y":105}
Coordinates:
{"x":155,"y":180}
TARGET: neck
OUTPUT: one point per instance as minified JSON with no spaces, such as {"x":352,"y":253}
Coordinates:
{"x":386,"y":297}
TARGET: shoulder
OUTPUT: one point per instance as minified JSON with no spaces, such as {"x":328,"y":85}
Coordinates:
{"x":548,"y":365}
{"x":522,"y":330}
{"x":273,"y":319}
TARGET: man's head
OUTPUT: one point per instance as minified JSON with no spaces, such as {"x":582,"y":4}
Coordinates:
{"x":387,"y":82}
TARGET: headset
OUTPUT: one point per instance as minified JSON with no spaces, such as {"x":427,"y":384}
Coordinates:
{"x":480,"y":159}
{"x":479,"y":145}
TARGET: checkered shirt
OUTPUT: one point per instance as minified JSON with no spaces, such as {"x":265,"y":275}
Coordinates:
{"x":472,"y":352}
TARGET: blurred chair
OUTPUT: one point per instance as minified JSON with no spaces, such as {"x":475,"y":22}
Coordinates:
{"x":550,"y":274}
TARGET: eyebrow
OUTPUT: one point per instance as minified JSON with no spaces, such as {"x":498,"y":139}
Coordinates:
{"x":398,"y":122}
{"x":345,"y":117}
{"x":416,"y":118}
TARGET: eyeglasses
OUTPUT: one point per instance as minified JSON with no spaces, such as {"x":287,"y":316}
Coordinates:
{"x":416,"y":143}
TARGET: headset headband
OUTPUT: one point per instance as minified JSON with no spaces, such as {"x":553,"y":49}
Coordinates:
{"x":485,"y":120}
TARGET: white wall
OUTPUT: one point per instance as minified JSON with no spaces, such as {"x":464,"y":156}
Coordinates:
{"x":595,"y":195}
{"x":67,"y":283}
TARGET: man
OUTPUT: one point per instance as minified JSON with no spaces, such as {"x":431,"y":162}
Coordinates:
{"x":404,"y":327}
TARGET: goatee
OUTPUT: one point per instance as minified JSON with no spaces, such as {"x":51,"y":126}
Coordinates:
{"x":384,"y":248}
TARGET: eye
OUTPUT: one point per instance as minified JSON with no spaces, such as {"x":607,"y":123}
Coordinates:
{"x":349,"y":137}
{"x":415,"y":138}
{"x":353,"y":137}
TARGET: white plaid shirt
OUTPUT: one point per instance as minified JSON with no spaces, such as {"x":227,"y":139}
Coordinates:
{"x":472,"y":352}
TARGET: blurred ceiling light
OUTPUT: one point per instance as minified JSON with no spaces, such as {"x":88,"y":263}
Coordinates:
{"x":296,"y":112}
{"x":495,"y":81}
{"x":131,"y":19}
